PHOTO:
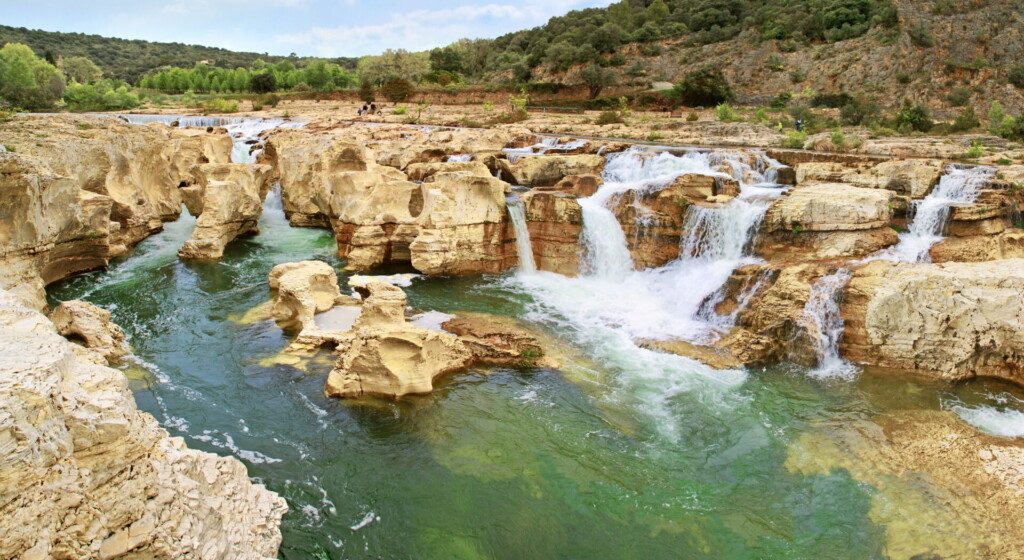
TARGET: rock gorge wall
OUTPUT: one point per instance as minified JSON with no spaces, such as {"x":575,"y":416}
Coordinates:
{"x":78,"y":191}
{"x":85,"y":474}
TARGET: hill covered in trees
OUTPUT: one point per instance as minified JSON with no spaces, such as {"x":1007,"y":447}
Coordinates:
{"x":129,"y":60}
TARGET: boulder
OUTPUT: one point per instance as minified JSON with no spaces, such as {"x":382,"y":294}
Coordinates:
{"x":86,"y":474}
{"x":91,"y":327}
{"x":384,"y":355}
{"x":911,"y":178}
{"x":547,"y":170}
{"x":231,"y":205}
{"x":300,"y":290}
{"x":953,"y":321}
{"x":712,"y":356}
{"x":580,"y":186}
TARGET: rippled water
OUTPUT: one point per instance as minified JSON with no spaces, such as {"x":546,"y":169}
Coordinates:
{"x":617,"y":454}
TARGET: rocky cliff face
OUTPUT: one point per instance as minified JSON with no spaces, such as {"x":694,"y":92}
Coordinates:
{"x":953,"y":320}
{"x":78,"y":191}
{"x":85,"y":474}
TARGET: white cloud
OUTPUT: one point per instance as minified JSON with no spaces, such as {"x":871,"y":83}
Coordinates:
{"x":425,"y":29}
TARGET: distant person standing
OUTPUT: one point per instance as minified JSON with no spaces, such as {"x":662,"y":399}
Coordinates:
{"x":363,"y":110}
{"x":373,"y":108}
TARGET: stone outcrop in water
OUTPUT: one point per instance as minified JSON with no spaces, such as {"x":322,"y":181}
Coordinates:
{"x":547,"y":170}
{"x":300,"y":290}
{"x":102,"y":341}
{"x":495,"y":340}
{"x":228,"y":199}
{"x":384,"y":355}
{"x":954,"y":320}
{"x":85,"y":474}
{"x":86,"y":191}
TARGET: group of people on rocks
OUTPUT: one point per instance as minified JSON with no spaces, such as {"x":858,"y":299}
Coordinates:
{"x":368,"y":109}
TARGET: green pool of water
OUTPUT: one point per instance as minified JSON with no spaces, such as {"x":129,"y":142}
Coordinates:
{"x":503,"y":463}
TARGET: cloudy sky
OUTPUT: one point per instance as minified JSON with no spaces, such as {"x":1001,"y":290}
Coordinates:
{"x":306,"y":27}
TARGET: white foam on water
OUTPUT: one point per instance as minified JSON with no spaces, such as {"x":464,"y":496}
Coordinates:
{"x":1002,"y":416}
{"x":460,"y":158}
{"x":225,"y":441}
{"x":957,"y":187}
{"x":370,"y":517}
{"x":822,"y":315}
{"x":431,"y":320}
{"x":402,"y":280}
{"x":524,"y":248}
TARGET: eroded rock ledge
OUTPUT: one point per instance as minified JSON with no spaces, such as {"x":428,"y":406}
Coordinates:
{"x":85,"y":474}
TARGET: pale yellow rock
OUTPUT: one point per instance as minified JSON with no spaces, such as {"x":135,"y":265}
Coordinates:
{"x":953,"y":320}
{"x":300,"y":290}
{"x":91,"y":326}
{"x":231,"y":205}
{"x":85,"y":474}
{"x":547,"y":170}
{"x":384,"y":355}
{"x":423,"y":171}
{"x":830,"y":207}
{"x":910,"y":177}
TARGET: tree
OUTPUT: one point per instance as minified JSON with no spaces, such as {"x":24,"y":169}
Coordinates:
{"x":28,"y":81}
{"x":913,"y":117}
{"x":703,"y":88}
{"x":366,"y":92}
{"x":397,"y":90}
{"x":446,"y":59}
{"x":264,"y":82}
{"x":394,"y":64}
{"x":82,"y":70}
{"x":596,"y":79}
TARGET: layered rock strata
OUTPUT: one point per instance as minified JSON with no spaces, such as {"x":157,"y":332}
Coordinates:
{"x":85,"y":474}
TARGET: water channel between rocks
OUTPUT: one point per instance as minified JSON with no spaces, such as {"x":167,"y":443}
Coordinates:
{"x":621,"y":453}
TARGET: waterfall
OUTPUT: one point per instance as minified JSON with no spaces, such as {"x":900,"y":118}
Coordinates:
{"x":958,"y":186}
{"x":823,"y":314}
{"x":517,"y":214}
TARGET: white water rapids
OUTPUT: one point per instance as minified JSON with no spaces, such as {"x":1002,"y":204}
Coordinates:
{"x":611,"y":306}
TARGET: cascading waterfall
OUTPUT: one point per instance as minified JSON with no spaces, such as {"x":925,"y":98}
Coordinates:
{"x":957,"y":186}
{"x":517,"y":213}
{"x":823,"y":314}
{"x":611,"y":306}
{"x":244,"y":131}
{"x":545,"y":146}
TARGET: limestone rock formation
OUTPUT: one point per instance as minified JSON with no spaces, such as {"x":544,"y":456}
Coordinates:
{"x":580,"y":186}
{"x":911,"y":178}
{"x":555,"y":222}
{"x":229,"y":203}
{"x":300,"y":290}
{"x":547,"y":170}
{"x":828,"y":220}
{"x":90,"y":325}
{"x":424,"y":171}
{"x":387,"y":356}
{"x":495,"y":340}
{"x":462,"y":227}
{"x":85,"y":474}
{"x":86,"y":191}
{"x":953,"y":321}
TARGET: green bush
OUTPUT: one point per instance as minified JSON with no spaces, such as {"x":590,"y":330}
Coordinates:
{"x":860,"y":111}
{"x":609,"y":117}
{"x":28,"y":81}
{"x":921,"y":36}
{"x":726,"y":113}
{"x":397,"y":90}
{"x":692,"y":117}
{"x":958,"y":97}
{"x":400,"y":110}
{"x":271,"y":99}
{"x":263,"y":82}
{"x":703,"y":88}
{"x":1016,"y":76}
{"x":781,"y":100}
{"x":219,"y":105}
{"x":831,"y":100}
{"x":975,"y":151}
{"x":965,"y":121}
{"x":794,"y":139}
{"x":105,"y":95}
{"x":913,"y":117}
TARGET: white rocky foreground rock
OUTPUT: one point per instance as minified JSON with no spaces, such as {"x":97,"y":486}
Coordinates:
{"x":85,"y":474}
{"x":952,"y":320}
